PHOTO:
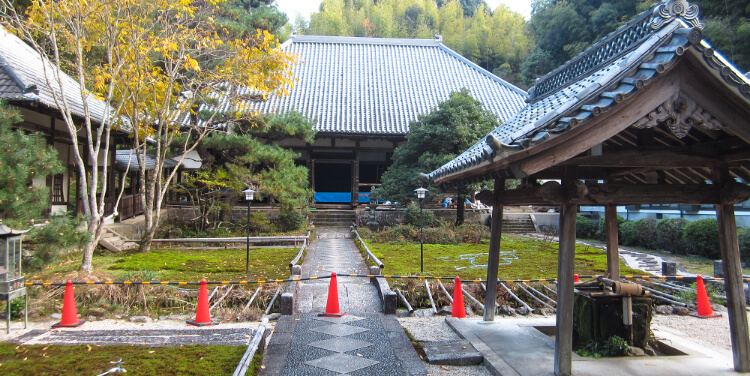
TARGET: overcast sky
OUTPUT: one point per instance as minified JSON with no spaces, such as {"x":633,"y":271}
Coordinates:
{"x":307,"y":7}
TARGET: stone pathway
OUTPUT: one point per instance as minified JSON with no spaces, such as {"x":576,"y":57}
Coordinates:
{"x":335,"y":251}
{"x":364,"y":342}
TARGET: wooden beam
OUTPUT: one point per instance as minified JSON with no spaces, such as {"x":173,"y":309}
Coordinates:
{"x":661,"y":159}
{"x":565,"y":290}
{"x":730,"y":255}
{"x":631,"y":194}
{"x":494,"y":252}
{"x":613,"y":250}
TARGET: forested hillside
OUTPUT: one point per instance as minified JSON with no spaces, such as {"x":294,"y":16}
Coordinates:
{"x":506,"y":44}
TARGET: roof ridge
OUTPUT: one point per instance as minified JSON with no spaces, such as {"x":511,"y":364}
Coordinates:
{"x":615,"y":45}
{"x":17,"y":78}
{"x":365,"y":40}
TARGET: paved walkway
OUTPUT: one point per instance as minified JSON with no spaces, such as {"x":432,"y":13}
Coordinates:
{"x":334,"y":251}
{"x":364,"y":342}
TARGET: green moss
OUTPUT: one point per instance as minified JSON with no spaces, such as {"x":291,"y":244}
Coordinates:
{"x":137,"y":360}
{"x":186,"y":264}
{"x":519,"y":258}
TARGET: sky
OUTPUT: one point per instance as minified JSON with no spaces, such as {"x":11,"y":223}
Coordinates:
{"x":307,"y":7}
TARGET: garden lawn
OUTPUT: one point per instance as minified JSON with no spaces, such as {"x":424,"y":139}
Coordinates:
{"x":182,"y":265}
{"x":520,"y":258}
{"x":137,"y":360}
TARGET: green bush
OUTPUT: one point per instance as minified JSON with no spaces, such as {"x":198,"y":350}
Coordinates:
{"x":60,"y":233}
{"x":743,"y":237}
{"x":585,"y":228}
{"x":702,"y":238}
{"x":260,"y":223}
{"x":641,"y":233}
{"x":412,"y":216}
{"x":601,"y":228}
{"x":613,"y":346}
{"x":669,"y":234}
{"x":290,"y":218}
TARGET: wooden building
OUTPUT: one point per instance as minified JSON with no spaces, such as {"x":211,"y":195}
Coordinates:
{"x":24,"y":85}
{"x":362,"y":93}
{"x":650,"y":114}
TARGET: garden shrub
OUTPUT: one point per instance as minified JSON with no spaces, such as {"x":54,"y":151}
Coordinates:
{"x":585,"y":227}
{"x":412,"y":216}
{"x":640,"y":233}
{"x":702,"y":238}
{"x":290,"y":218}
{"x":743,"y":237}
{"x":59,"y":234}
{"x":669,"y":234}
{"x":260,"y":223}
{"x":601,"y":228}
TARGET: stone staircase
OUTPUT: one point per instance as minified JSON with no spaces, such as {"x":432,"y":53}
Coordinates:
{"x":333,"y":218}
{"x":518,"y":224}
{"x":115,"y":242}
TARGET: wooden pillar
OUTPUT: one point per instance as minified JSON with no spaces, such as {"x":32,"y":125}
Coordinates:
{"x":613,"y":250}
{"x":355,"y":179}
{"x":565,"y":270}
{"x":730,"y":255}
{"x":494,"y":252}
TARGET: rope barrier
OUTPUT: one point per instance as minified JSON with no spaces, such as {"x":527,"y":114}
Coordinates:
{"x":184,"y":283}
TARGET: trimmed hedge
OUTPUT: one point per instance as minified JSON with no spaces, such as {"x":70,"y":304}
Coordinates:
{"x":702,"y":238}
{"x":585,"y":228}
{"x":669,"y":235}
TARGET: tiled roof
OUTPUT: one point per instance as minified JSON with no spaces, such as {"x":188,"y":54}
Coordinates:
{"x":378,"y":85}
{"x":127,"y":159}
{"x":591,"y":84}
{"x":22,"y":79}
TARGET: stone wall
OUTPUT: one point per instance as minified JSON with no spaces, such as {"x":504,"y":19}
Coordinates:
{"x":390,"y":217}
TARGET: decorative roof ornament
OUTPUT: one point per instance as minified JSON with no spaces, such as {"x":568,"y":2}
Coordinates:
{"x":672,"y":9}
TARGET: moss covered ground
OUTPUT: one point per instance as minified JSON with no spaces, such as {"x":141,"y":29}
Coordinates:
{"x":180,"y":265}
{"x":59,"y":360}
{"x":520,"y":258}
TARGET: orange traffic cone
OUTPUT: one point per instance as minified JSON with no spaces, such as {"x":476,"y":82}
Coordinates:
{"x":576,"y":279}
{"x":704,"y":305}
{"x":69,"y":313}
{"x":332,"y":305}
{"x":202,"y":315}
{"x":459,"y":309}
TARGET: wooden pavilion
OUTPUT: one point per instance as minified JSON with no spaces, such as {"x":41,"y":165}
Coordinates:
{"x":650,"y":114}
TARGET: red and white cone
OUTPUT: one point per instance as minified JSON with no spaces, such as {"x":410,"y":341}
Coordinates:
{"x":69,"y":312}
{"x":332,"y":305}
{"x":459,"y":309}
{"x":704,"y":304}
{"x":202,"y":314}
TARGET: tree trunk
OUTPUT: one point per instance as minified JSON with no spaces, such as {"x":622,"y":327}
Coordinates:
{"x":95,"y":228}
{"x":460,"y":209}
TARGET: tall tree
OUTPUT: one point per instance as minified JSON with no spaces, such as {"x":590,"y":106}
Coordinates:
{"x":433,"y":140}
{"x":727,"y":27}
{"x":161,"y":59}
{"x":25,"y":161}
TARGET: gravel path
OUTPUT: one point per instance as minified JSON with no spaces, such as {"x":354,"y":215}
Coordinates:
{"x":713,"y":331}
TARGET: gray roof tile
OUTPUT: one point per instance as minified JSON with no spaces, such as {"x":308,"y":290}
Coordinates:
{"x":22,"y":78}
{"x":378,"y":85}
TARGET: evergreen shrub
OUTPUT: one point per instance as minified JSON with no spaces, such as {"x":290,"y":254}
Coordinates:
{"x":585,"y":227}
{"x":412,"y":216}
{"x":669,"y":234}
{"x":702,"y":238}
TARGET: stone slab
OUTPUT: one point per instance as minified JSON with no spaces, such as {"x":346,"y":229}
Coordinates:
{"x":453,"y":353}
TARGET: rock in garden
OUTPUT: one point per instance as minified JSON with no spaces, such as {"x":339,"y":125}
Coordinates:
{"x":427,"y":312}
{"x":545,"y":311}
{"x":680,"y":311}
{"x":664,"y":309}
{"x":56,"y":316}
{"x":649,"y":351}
{"x":718,"y":308}
{"x":507,"y":310}
{"x":636,"y":351}
{"x":402,"y":313}
{"x":97,"y":312}
{"x":469,"y":311}
{"x":274,"y":316}
{"x":139,"y":319}
{"x":523,"y":311}
{"x":445,"y":311}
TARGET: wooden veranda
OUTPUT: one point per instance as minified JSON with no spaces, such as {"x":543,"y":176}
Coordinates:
{"x":651,"y":114}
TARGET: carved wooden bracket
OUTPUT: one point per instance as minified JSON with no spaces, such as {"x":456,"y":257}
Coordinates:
{"x":734,"y":193}
{"x":679,"y":113}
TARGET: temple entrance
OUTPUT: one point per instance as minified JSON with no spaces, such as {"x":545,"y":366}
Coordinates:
{"x":333,"y":182}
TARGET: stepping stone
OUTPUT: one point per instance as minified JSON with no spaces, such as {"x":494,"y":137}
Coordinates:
{"x":452,"y":353}
{"x":341,"y":345}
{"x":342,"y":363}
{"x":339,"y":330}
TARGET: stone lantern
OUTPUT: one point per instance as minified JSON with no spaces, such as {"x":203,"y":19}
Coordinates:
{"x":11,"y":280}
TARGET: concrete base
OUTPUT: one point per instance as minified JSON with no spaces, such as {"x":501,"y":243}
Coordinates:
{"x":452,"y":353}
{"x":516,"y":347}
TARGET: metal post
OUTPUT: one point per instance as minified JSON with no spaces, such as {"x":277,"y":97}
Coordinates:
{"x":421,"y":243}
{"x":247,"y":258}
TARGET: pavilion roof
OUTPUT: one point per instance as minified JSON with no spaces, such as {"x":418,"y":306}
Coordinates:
{"x":606,"y":76}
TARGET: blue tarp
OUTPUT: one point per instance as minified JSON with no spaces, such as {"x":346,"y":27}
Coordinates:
{"x":323,"y":197}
